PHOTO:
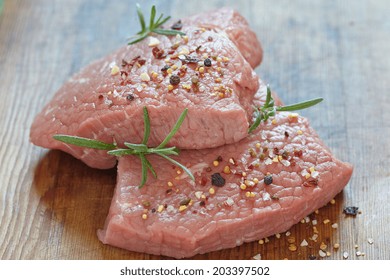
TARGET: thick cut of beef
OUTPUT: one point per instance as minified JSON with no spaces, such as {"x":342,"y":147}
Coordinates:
{"x":243,"y":192}
{"x":237,"y":29}
{"x":202,"y":71}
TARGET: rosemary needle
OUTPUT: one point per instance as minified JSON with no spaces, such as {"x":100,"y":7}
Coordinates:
{"x":269,"y":109}
{"x":154,"y":26}
{"x":140,"y":150}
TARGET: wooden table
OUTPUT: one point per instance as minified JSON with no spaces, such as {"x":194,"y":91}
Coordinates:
{"x":51,"y":204}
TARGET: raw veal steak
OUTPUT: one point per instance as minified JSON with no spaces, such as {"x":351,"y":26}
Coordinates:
{"x":236,"y":27}
{"x":233,"y":200}
{"x":104,"y":101}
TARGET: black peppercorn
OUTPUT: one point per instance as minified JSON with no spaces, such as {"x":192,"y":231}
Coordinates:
{"x":174,"y":80}
{"x":351,"y":210}
{"x":217,"y":180}
{"x":177,"y":25}
{"x":130,"y":97}
{"x":268,"y":180}
{"x":207,"y":62}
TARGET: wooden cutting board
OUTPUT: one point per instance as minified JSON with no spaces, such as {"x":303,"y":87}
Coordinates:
{"x":51,"y":204}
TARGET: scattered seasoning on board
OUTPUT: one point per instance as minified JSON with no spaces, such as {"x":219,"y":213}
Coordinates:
{"x":217,"y":180}
{"x":351,"y":210}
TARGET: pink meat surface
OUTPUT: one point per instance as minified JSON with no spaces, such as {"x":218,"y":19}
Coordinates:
{"x":176,"y":217}
{"x":105,"y":100}
{"x":236,"y":27}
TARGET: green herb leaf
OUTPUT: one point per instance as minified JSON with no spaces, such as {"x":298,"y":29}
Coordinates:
{"x":140,"y":150}
{"x":152,"y":16}
{"x":121,"y":152}
{"x":154,"y":26}
{"x":141,"y":18}
{"x":174,"y":130}
{"x":300,"y":105}
{"x":150,"y":167}
{"x":167,"y":32}
{"x":186,"y":170}
{"x":83,"y":142}
{"x":257,"y":121}
{"x":147,"y":126}
{"x":144,"y":176}
{"x":269,"y":109}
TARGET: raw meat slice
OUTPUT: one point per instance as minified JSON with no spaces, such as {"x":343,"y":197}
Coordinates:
{"x":243,"y":192}
{"x":104,"y":101}
{"x":236,"y":27}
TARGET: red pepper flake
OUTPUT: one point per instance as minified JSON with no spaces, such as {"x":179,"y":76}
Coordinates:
{"x":285,"y":155}
{"x":168,"y":191}
{"x":177,"y":25}
{"x":210,"y":39}
{"x":124,"y":74}
{"x":208,"y":169}
{"x":202,"y":203}
{"x":198,"y":48}
{"x":141,"y":61}
{"x":100,"y":97}
{"x":286,"y":134}
{"x":219,"y":158}
{"x":158,"y":53}
{"x":125,"y":63}
{"x":298,"y":153}
{"x":203,"y":181}
{"x":311,"y":183}
{"x":276,"y":151}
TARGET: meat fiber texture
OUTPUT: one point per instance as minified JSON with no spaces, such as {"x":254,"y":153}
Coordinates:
{"x":105,"y":100}
{"x":176,"y":217}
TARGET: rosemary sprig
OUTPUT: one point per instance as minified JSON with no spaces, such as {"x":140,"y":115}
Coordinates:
{"x":140,"y":150}
{"x":269,"y":109}
{"x":154,"y":26}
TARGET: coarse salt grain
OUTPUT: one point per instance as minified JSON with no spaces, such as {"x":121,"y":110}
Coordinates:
{"x":198,"y":194}
{"x":257,"y":257}
{"x":304,"y":243}
{"x":335,"y":225}
{"x":345,"y":255}
{"x":229,"y":201}
{"x":153,"y":41}
{"x":322,"y":253}
{"x":370,"y":241}
{"x":145,"y":77}
{"x":114,"y":70}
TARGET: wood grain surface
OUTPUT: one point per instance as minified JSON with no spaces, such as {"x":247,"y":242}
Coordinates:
{"x":52,"y":204}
